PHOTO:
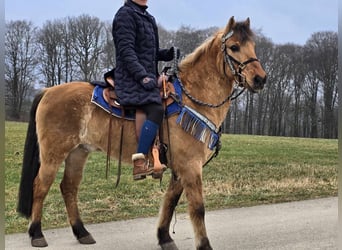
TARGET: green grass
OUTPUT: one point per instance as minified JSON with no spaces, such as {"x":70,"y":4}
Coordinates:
{"x":250,"y":170}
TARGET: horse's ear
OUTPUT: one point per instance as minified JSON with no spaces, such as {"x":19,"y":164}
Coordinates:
{"x":230,"y":25}
{"x":247,"y":22}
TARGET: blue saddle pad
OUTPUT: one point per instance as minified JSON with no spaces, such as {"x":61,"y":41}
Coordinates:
{"x":97,"y":98}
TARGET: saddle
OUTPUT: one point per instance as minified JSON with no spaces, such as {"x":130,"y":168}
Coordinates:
{"x":110,"y":97}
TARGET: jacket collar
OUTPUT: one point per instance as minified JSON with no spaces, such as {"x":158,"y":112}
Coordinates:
{"x":137,"y":7}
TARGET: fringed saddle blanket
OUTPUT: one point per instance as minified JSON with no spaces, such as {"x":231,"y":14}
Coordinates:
{"x":194,"y":123}
{"x":199,"y":126}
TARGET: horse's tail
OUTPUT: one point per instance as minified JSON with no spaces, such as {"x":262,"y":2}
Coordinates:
{"x":31,"y":163}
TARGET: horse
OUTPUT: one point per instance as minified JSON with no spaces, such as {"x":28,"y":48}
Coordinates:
{"x":66,"y":127}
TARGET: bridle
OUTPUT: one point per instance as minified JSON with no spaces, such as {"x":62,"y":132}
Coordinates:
{"x":239,"y":82}
{"x":239,"y":77}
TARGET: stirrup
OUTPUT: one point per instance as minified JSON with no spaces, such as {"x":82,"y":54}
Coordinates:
{"x":159,"y":174}
{"x":158,"y":167}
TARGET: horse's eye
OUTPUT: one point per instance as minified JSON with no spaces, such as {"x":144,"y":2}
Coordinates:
{"x":235,"y":48}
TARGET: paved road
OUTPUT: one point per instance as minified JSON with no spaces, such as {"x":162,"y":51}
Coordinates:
{"x":296,"y":225}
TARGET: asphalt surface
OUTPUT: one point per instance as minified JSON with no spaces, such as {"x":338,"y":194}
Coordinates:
{"x":300,"y":225}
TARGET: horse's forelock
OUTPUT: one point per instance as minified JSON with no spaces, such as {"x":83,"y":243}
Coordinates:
{"x":243,"y":32}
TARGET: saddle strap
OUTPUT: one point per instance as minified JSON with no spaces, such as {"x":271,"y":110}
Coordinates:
{"x":109,"y":145}
{"x":120,"y":156}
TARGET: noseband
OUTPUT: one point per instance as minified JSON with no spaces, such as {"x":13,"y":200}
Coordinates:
{"x":239,"y":77}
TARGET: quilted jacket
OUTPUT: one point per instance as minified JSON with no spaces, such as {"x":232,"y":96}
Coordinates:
{"x":136,"y":42}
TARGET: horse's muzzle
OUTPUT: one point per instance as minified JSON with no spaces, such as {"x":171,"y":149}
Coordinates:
{"x":259,"y":82}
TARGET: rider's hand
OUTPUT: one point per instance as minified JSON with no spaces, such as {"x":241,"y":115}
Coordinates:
{"x":148,"y":83}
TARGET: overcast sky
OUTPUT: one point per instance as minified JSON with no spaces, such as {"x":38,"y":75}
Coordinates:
{"x":290,"y":21}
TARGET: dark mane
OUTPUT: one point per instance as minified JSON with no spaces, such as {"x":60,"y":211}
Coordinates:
{"x":241,"y":30}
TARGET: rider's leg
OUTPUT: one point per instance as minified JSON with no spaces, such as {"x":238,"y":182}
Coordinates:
{"x":154,"y":117}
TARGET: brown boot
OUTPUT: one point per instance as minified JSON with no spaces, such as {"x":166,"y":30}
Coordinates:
{"x":141,"y":166}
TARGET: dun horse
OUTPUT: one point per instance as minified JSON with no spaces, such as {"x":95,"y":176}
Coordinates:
{"x":65,"y":127}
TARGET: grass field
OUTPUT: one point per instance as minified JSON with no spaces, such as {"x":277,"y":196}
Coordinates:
{"x":250,"y":170}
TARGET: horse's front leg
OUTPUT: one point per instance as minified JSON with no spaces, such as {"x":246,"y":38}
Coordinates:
{"x":171,"y":199}
{"x":192,"y":184}
{"x":74,"y":165}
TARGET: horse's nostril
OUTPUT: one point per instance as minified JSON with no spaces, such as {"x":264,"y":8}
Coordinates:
{"x":264,"y":80}
{"x":259,"y":81}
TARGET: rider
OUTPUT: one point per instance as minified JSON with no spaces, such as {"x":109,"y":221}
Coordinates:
{"x":136,"y":42}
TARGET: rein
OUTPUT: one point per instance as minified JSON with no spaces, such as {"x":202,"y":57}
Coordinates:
{"x":199,"y":102}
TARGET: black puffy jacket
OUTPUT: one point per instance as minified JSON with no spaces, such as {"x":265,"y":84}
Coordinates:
{"x":136,"y":42}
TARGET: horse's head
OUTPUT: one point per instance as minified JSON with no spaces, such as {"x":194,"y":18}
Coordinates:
{"x":239,"y":59}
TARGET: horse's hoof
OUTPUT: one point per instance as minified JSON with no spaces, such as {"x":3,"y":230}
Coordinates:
{"x":86,"y":240}
{"x":169,"y":246}
{"x":39,"y":242}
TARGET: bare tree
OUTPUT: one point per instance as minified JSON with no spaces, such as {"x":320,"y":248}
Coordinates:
{"x":278,"y":87}
{"x":323,"y":50}
{"x":310,"y":91}
{"x":52,"y":52}
{"x":69,"y":65}
{"x":107,"y":57}
{"x":264,"y":51}
{"x":20,"y":64}
{"x":87,"y":39}
{"x":188,"y":38}
{"x":299,"y":73}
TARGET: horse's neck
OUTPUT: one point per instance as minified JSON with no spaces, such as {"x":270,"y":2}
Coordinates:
{"x":204,"y":83}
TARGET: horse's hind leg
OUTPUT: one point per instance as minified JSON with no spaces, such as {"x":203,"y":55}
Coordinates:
{"x":74,"y":165}
{"x":42,"y":184}
{"x":171,"y":199}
